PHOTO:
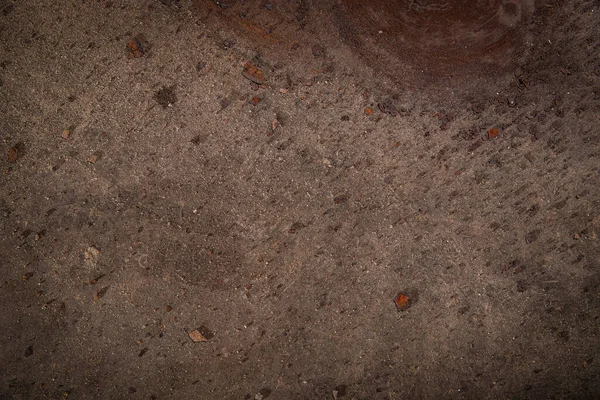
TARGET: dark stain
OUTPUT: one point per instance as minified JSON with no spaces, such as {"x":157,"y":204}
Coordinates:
{"x":166,"y":96}
{"x":532,"y":236}
{"x":511,"y":9}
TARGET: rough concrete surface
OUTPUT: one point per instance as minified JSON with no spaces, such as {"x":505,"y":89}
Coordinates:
{"x":222,"y":199}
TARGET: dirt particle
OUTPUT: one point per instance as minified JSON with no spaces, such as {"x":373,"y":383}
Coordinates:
{"x":563,"y":336}
{"x":275,"y":124}
{"x":317,"y":51}
{"x":95,"y":157}
{"x":166,"y":97}
{"x":226,"y":44}
{"x":28,"y":351}
{"x":341,"y":199}
{"x":26,"y":276}
{"x":196,"y":140}
{"x":532,"y":236}
{"x":263,"y":394}
{"x":388,"y":107}
{"x":402,"y":302}
{"x":202,"y":334}
{"x":253,"y":73}
{"x":339,"y":391}
{"x":296,"y":226}
{"x":8,"y":9}
{"x":13,"y":154}
{"x":445,"y":120}
{"x":368,"y":111}
{"x":132,"y":390}
{"x":135,"y":48}
{"x":493,"y":132}
{"x":224,"y":103}
{"x":100,"y":293}
{"x":142,"y":352}
{"x":255,"y":100}
{"x":168,"y":308}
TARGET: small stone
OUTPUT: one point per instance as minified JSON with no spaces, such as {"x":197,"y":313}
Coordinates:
{"x":202,"y":334}
{"x":168,"y":308}
{"x":402,"y":302}
{"x":255,"y":100}
{"x":253,"y":73}
{"x":196,"y":336}
{"x":95,"y":157}
{"x":275,"y":124}
{"x":493,"y":132}
{"x":368,"y":111}
{"x":262,"y":394}
{"x":66,"y":134}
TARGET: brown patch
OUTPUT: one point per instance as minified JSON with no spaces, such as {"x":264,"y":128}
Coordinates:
{"x":13,"y":154}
